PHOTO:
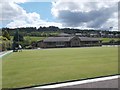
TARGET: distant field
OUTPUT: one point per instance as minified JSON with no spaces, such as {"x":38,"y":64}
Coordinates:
{"x":108,"y":39}
{"x":36,"y":67}
{"x":33,"y":38}
{"x":36,"y":38}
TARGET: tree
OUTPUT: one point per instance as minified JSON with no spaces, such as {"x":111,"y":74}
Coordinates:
{"x":18,"y":37}
{"x":6,"y":34}
{"x":112,"y":42}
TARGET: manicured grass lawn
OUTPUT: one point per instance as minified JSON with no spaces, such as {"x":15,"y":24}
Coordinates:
{"x":36,"y":67}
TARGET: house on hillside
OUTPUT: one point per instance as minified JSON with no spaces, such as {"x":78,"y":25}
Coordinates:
{"x":68,"y":41}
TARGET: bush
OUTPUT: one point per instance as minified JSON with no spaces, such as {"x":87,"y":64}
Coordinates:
{"x":5,"y":44}
{"x":28,"y":47}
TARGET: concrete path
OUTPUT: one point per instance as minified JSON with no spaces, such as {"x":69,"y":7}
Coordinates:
{"x":105,"y":82}
{"x":113,"y":83}
{"x":110,"y":82}
{"x":5,"y":53}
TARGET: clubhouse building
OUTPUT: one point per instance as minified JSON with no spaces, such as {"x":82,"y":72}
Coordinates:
{"x":66,"y":40}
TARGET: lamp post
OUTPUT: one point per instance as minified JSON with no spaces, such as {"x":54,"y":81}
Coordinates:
{"x":18,"y":39}
{"x":18,"y":35}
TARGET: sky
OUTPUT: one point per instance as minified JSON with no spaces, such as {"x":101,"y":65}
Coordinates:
{"x":42,"y":8}
{"x":95,"y":14}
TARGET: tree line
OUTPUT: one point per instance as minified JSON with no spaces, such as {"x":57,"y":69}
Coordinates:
{"x":53,"y":31}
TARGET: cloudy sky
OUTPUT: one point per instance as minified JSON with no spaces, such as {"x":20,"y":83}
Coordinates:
{"x":62,"y":13}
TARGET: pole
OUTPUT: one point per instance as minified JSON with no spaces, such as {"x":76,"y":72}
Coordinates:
{"x":18,"y":38}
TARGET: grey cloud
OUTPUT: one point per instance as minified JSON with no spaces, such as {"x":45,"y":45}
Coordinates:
{"x":93,"y":19}
{"x":10,"y":10}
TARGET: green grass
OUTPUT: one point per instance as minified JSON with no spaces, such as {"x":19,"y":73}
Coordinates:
{"x":36,"y":38}
{"x":32,"y":38}
{"x":36,"y":67}
{"x":108,"y":39}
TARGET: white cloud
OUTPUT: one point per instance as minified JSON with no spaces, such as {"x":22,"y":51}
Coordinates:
{"x":113,"y":21}
{"x":86,"y":13}
{"x":32,"y":23}
{"x":77,"y":13}
{"x":10,"y":10}
{"x":87,"y":0}
{"x":18,"y":17}
{"x":15,"y":1}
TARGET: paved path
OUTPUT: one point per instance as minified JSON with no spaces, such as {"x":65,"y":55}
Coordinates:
{"x":4,"y":53}
{"x":105,"y":82}
{"x":113,"y":83}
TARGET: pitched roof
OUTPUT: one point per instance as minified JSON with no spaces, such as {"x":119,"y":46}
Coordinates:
{"x":57,"y":39}
{"x":66,"y":39}
{"x":89,"y":39}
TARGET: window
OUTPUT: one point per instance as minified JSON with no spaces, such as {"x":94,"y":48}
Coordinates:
{"x":60,"y":43}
